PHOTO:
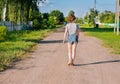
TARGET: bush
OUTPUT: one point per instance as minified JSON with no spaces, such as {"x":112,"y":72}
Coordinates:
{"x":36,"y":24}
{"x":45,"y":24}
{"x":3,"y":32}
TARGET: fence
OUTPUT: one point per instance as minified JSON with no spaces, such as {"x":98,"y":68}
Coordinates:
{"x":11,"y":26}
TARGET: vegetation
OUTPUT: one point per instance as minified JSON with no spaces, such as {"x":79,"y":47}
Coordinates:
{"x":14,"y":44}
{"x":47,"y":20}
{"x":106,"y":34}
{"x":104,"y":17}
{"x":17,"y":43}
{"x":107,"y":17}
{"x":3,"y":32}
{"x":90,"y":16}
{"x":57,"y":16}
{"x":17,"y":10}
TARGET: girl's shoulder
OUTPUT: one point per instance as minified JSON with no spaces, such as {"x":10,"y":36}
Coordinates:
{"x":71,"y":24}
{"x":68,"y":24}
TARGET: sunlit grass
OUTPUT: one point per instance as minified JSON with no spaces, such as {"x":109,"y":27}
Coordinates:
{"x":108,"y":37}
{"x":17,"y":43}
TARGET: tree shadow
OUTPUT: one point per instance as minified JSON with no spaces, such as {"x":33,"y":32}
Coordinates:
{"x":50,"y":41}
{"x":95,"y":63}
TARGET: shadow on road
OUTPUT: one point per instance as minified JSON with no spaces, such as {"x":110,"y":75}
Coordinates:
{"x":101,"y":62}
{"x":51,"y":41}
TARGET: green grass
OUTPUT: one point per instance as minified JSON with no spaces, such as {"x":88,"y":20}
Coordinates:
{"x":17,"y":44}
{"x":108,"y":37}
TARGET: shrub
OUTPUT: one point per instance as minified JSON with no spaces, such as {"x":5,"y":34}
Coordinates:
{"x":3,"y":32}
{"x":36,"y":24}
{"x":45,"y":24}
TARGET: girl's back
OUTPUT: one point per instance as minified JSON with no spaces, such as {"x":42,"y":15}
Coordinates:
{"x":72,"y":28}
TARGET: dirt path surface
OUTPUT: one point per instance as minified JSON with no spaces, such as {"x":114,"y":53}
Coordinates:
{"x":48,"y":64}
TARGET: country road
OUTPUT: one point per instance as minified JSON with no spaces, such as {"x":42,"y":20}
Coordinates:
{"x":94,"y":64}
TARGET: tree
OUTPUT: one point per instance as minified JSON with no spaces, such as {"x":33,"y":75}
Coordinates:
{"x":17,"y":10}
{"x":45,"y":15}
{"x":57,"y":16}
{"x":1,"y":8}
{"x":91,"y":16}
{"x":107,"y":17}
{"x":80,"y":20}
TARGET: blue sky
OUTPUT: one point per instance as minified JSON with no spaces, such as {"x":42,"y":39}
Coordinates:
{"x":79,"y":6}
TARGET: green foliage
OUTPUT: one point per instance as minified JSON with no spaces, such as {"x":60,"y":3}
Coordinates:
{"x":19,"y":11}
{"x":1,"y":8}
{"x":107,"y":17}
{"x":66,"y":19}
{"x":45,"y":15}
{"x":17,"y":44}
{"x":57,"y":16}
{"x":23,"y":11}
{"x":45,"y":24}
{"x":36,"y":24}
{"x":52,"y":21}
{"x":80,"y":20}
{"x":89,"y":17}
{"x":37,"y":21}
{"x":46,"y":20}
{"x":3,"y":32}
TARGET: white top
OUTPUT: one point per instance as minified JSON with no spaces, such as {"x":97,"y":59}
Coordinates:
{"x":72,"y":28}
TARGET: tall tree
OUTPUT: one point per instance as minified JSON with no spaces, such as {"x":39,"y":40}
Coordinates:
{"x":91,"y":16}
{"x":18,"y":10}
{"x":1,"y":8}
{"x":107,"y":17}
{"x":57,"y":15}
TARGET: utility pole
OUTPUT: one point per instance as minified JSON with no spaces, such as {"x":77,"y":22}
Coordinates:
{"x":94,"y":13}
{"x":96,"y":19}
{"x":94,"y":5}
{"x":116,"y":27}
{"x":118,"y":9}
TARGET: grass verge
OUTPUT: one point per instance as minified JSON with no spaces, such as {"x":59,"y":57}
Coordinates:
{"x":107,"y":35}
{"x":17,"y":43}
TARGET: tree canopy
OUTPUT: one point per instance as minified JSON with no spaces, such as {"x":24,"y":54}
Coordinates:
{"x":18,"y":10}
{"x":57,"y":16}
{"x":90,"y":16}
{"x":107,"y":17}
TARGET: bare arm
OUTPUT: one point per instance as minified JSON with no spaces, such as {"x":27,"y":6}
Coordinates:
{"x":65,"y":34}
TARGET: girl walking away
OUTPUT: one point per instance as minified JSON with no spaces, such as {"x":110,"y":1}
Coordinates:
{"x":72,"y":34}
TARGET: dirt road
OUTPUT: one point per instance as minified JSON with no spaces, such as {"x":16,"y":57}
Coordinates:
{"x":48,"y":64}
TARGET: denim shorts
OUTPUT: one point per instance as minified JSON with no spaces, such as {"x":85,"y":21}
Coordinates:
{"x":73,"y":38}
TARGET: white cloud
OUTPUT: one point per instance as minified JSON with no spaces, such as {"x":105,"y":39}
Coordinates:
{"x":42,"y":3}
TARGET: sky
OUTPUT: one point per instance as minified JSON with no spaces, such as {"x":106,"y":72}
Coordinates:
{"x":80,"y":7}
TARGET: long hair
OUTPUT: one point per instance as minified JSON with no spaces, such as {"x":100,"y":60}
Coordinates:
{"x":71,"y":18}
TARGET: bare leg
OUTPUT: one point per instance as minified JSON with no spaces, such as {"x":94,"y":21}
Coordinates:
{"x":74,"y":51}
{"x":70,"y":53}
